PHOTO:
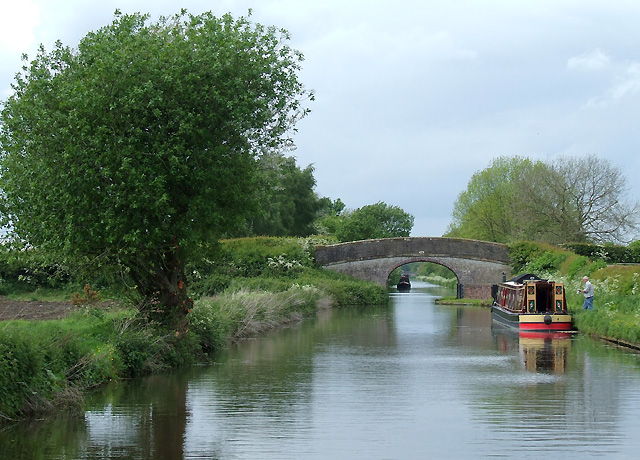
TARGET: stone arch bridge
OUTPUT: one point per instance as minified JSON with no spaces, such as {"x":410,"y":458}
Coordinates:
{"x":476,"y":264}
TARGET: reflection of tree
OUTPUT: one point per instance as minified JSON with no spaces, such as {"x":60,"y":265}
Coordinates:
{"x":168,"y":421}
{"x":599,"y":393}
{"x":197,"y":410}
{"x":267,"y":385}
{"x":145,"y":419}
{"x":42,"y":439}
{"x":142,"y":419}
{"x":275,"y":374}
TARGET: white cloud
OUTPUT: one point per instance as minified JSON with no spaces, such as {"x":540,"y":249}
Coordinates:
{"x":626,"y":85}
{"x":595,"y":60}
{"x":17,"y":25}
{"x":18,"y":21}
{"x":413,"y":97}
{"x":443,"y":46}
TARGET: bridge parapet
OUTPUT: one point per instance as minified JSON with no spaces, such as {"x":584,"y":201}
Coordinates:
{"x":476,"y":264}
{"x":411,"y":246}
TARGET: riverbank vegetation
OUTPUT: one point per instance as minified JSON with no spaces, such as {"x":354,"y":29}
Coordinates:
{"x":244,"y":287}
{"x":579,"y":208}
{"x":616,"y":315}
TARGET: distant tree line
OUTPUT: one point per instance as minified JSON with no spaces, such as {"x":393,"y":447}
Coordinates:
{"x":289,"y":206}
{"x":581,"y":200}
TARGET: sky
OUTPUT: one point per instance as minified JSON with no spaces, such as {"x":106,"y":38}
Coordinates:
{"x":412,"y":97}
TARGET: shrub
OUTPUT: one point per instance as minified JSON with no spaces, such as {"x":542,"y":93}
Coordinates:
{"x":251,"y":258}
{"x":523,"y":252}
{"x":577,"y":266}
{"x":89,"y":297}
{"x":353,"y":292}
{"x":46,"y":364}
{"x":27,"y":270}
{"x":208,"y":325}
{"x":20,"y":372}
{"x":246,"y":312}
{"x":609,"y":253}
{"x":545,"y":262}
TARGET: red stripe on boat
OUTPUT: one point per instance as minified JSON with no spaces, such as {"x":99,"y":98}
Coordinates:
{"x":545,"y":327}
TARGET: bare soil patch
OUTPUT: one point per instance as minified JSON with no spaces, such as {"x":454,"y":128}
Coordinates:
{"x":39,"y":310}
{"x":32,"y":309}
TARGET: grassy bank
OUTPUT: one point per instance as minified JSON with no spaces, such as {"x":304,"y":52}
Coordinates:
{"x":453,"y":300}
{"x":46,"y":366}
{"x":616,"y":313}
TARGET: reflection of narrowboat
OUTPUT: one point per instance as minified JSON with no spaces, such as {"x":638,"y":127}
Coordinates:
{"x":546,"y":352}
{"x":404,"y":285}
{"x":529,"y":303}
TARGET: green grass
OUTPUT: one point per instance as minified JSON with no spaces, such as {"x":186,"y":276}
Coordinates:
{"x":43,"y":294}
{"x":439,"y":280}
{"x":452,"y":300}
{"x":47,"y":365}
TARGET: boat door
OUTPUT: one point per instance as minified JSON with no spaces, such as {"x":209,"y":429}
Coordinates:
{"x":559,"y":296}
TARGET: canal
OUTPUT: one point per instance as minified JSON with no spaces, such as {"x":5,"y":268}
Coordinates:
{"x":413,"y":380}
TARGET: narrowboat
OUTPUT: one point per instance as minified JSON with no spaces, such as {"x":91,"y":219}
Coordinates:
{"x":404,"y":285}
{"x":530,"y":303}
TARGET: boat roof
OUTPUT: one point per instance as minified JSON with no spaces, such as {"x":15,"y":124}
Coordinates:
{"x":521,"y":279}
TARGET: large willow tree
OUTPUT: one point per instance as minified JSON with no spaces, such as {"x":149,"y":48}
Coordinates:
{"x":130,"y":151}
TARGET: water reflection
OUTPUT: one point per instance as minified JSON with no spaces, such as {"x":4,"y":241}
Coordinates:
{"x":569,"y":400}
{"x":413,"y":380}
{"x":144,"y":419}
{"x":545,"y":353}
{"x":538,"y":351}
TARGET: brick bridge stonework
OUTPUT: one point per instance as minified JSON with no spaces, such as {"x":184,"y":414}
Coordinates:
{"x":476,"y":264}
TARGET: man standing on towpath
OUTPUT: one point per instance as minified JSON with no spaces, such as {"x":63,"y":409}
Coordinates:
{"x":588,"y":294}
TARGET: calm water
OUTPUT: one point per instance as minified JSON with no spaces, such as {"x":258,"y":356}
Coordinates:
{"x":411,"y":381}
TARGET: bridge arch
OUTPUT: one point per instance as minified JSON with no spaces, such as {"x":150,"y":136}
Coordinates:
{"x":423,"y":260}
{"x":477,"y":264}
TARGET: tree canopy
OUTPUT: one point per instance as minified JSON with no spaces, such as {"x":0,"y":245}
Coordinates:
{"x":135,"y":148}
{"x":487,"y":209}
{"x":378,"y":220}
{"x":567,"y":200}
{"x":288,"y":202}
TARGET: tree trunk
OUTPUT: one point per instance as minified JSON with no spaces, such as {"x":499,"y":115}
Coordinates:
{"x":165,"y":298}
